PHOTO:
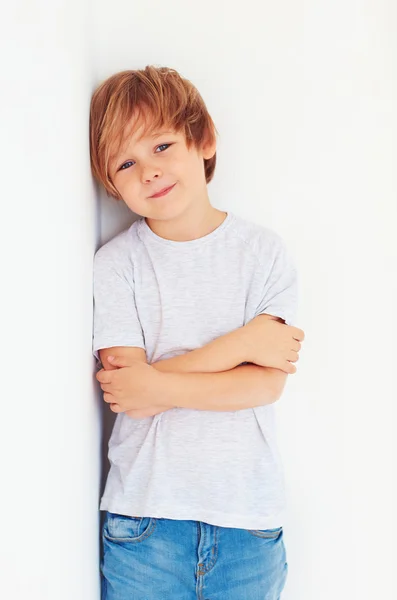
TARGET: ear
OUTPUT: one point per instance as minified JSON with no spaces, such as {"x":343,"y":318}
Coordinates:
{"x":209,"y":149}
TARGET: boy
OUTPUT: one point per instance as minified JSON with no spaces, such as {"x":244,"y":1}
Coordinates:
{"x":189,"y":311}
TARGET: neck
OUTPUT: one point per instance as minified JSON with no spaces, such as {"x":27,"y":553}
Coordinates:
{"x":196,"y":223}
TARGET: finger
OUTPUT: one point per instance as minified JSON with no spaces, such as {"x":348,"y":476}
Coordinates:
{"x":107,"y":387}
{"x":298,"y":334}
{"x":99,"y":374}
{"x":118,"y":361}
{"x":104,"y":376}
{"x":290,"y":368}
{"x":109,"y":398}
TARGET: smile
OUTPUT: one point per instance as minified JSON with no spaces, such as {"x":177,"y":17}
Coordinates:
{"x":164,"y":192}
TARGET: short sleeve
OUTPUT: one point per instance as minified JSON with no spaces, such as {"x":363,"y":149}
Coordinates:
{"x":116,"y":321}
{"x":279,"y":295}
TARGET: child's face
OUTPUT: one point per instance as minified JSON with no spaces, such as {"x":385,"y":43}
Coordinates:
{"x":146,"y":166}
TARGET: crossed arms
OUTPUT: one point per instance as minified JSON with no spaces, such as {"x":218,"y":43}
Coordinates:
{"x":208,"y":378}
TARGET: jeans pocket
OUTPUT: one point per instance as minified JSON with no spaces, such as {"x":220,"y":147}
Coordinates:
{"x":125,"y":529}
{"x":272,"y":534}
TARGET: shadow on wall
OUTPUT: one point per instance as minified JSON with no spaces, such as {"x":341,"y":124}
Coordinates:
{"x":107,"y":419}
{"x":112,"y":217}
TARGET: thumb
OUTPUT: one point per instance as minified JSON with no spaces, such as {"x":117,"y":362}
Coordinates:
{"x":117,"y":361}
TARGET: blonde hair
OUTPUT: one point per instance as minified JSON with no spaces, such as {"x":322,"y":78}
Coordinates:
{"x":160,"y":93}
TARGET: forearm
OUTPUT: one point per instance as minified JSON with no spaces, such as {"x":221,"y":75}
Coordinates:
{"x":246,"y":386}
{"x":224,"y":353}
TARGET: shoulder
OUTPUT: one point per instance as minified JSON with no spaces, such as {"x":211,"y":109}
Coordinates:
{"x":261,"y":240}
{"x":119,"y":249}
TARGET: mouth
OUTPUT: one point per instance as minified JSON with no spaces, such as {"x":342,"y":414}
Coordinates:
{"x":163,"y":192}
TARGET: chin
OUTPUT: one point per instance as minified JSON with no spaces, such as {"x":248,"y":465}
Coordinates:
{"x":166,"y":212}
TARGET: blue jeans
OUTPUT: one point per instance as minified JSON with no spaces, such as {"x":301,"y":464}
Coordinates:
{"x":148,"y":558}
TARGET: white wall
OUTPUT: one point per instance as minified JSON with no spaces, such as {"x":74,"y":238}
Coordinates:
{"x":50,"y":418}
{"x":304,"y":97}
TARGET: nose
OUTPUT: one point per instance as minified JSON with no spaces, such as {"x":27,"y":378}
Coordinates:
{"x":149,"y":172}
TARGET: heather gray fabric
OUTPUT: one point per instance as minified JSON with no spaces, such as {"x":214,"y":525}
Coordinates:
{"x":170,"y":297}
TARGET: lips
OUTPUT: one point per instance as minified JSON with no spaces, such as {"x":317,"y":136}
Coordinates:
{"x":163,"y":191}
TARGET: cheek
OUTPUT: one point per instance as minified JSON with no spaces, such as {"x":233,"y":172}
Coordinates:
{"x":131,"y":194}
{"x":187,"y":170}
{"x":130,"y":187}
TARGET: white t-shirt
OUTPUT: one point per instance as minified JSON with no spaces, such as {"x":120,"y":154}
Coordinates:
{"x":169,"y":298}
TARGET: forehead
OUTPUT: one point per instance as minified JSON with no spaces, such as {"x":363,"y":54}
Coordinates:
{"x":138,"y":130}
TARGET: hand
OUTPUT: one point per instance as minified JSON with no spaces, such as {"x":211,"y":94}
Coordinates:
{"x":134,"y":385}
{"x":272,"y":343}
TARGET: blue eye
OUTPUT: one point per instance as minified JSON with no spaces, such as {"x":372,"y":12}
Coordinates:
{"x":163,"y":145}
{"x":129,"y":161}
{"x":122,"y":166}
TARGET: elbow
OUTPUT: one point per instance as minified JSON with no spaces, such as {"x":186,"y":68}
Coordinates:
{"x":277,"y":396}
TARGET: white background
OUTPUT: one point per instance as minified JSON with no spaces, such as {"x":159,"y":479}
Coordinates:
{"x":304,"y":97}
